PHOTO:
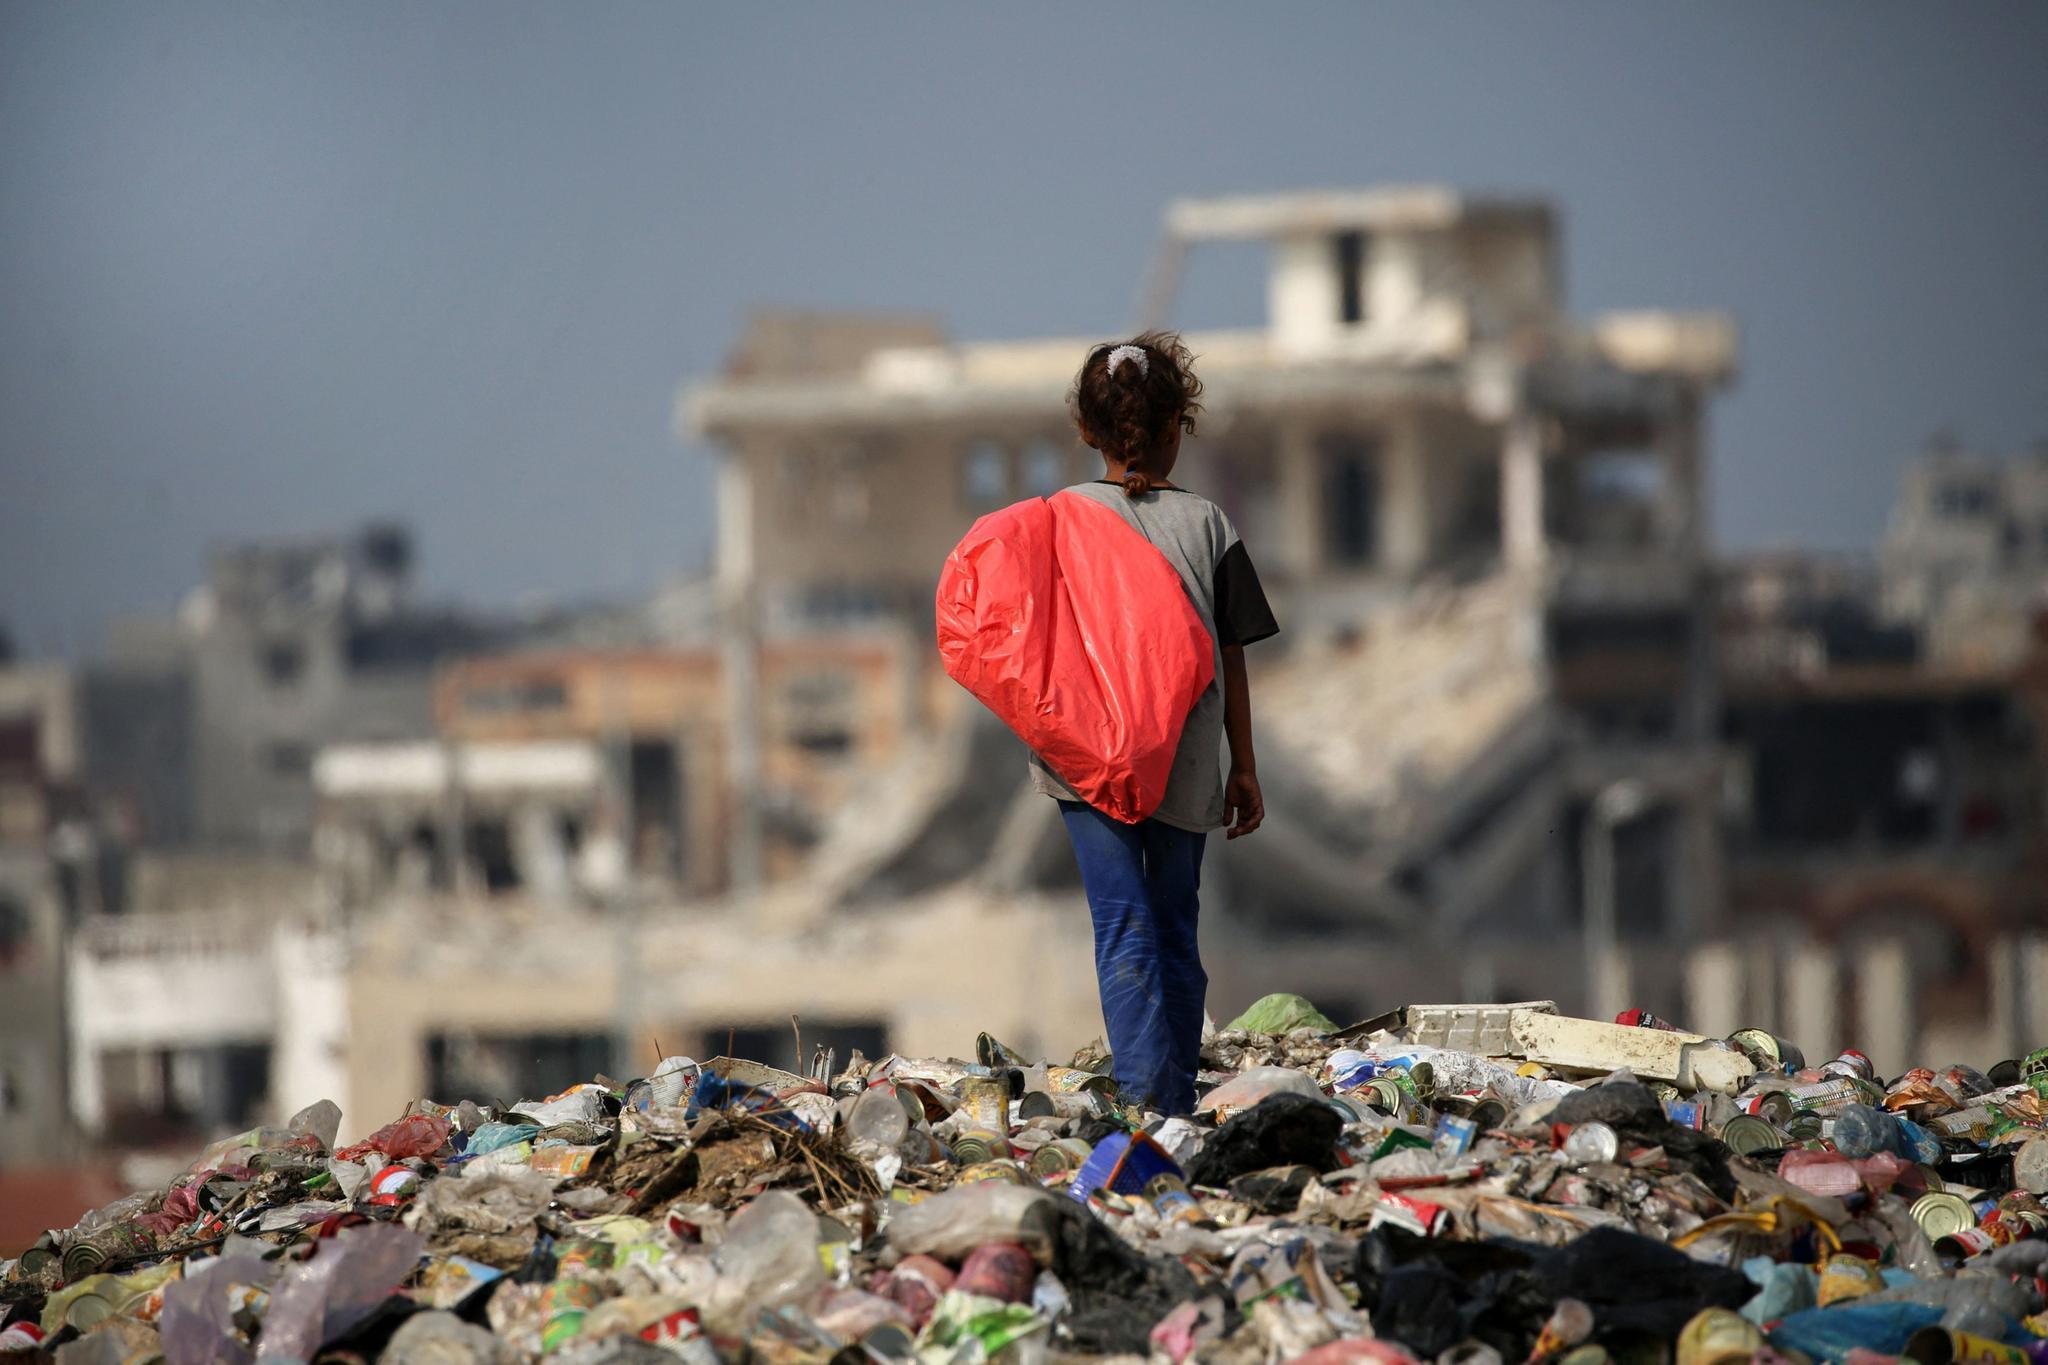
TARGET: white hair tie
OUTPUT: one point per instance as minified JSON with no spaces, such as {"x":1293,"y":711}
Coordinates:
{"x":1122,"y":353}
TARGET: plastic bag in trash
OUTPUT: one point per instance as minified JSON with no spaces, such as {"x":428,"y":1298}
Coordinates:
{"x":952,"y":1224}
{"x":1247,"y":1088}
{"x":1281,"y":1130}
{"x":1281,"y":1013}
{"x":769,"y":1257}
{"x":346,"y":1280}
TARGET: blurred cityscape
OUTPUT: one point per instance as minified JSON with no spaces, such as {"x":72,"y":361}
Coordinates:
{"x":1525,"y":734}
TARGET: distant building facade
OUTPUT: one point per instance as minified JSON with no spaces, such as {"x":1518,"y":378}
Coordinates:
{"x":1965,"y":559}
{"x":298,"y":645}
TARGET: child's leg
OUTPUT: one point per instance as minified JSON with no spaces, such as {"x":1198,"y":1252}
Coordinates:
{"x":1173,"y":879}
{"x":1127,"y":966}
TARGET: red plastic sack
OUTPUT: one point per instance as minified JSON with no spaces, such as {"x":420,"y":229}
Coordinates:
{"x":1071,"y":626}
{"x":413,"y":1135}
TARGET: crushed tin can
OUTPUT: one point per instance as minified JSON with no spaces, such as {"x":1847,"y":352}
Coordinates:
{"x":1943,"y":1213}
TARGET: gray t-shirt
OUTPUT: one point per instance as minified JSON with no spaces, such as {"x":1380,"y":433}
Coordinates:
{"x":1202,"y":545}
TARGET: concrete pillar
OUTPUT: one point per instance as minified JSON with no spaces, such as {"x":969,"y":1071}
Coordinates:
{"x":1697,"y":893}
{"x":1302,"y":293}
{"x":1812,"y":1001}
{"x":740,"y":650}
{"x":1760,"y":1001}
{"x":1404,"y":510}
{"x":82,"y":1045}
{"x":1298,"y":550}
{"x":1681,"y":512}
{"x":2002,"y":1036}
{"x":309,"y":1055}
{"x":1886,"y":1026}
{"x":1713,"y":990}
{"x":1521,"y":493}
{"x":2033,"y":954}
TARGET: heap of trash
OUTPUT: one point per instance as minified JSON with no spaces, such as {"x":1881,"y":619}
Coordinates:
{"x":1455,"y":1183}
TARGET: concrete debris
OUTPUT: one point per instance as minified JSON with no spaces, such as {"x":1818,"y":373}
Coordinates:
{"x":1445,"y":1182}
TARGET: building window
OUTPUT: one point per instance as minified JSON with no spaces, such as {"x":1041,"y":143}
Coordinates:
{"x":283,"y":661}
{"x":774,"y":1043}
{"x":818,"y":712}
{"x":1351,"y":499}
{"x":985,"y":475}
{"x":507,"y":696}
{"x":288,"y":758}
{"x":1351,"y":253}
{"x":1045,"y":469}
{"x":508,"y":1068}
{"x":17,"y":934}
{"x":1964,"y":501}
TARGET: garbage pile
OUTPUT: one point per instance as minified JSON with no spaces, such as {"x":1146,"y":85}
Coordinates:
{"x":1471,"y":1184}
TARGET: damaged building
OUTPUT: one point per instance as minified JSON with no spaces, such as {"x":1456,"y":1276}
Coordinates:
{"x":1480,"y":520}
{"x":1521,"y":735}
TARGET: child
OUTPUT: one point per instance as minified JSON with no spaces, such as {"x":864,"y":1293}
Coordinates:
{"x":1132,"y":402}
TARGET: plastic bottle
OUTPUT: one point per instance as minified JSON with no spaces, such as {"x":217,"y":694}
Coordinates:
{"x":1862,"y":1130}
{"x":877,"y":1116}
{"x":769,"y":1257}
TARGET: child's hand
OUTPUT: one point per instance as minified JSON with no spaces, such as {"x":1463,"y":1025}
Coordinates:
{"x":1244,"y":806}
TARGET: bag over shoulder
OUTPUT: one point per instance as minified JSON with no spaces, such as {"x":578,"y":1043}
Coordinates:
{"x":1075,"y":630}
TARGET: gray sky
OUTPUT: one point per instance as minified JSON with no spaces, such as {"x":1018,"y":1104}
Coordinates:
{"x":273,"y":268}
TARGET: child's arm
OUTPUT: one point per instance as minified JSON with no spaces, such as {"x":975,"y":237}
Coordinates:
{"x":1243,"y":804}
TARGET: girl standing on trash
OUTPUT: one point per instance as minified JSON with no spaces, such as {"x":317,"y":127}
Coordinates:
{"x":1132,"y":402}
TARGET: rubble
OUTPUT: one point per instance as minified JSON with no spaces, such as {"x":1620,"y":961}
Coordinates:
{"x":1472,"y":1184}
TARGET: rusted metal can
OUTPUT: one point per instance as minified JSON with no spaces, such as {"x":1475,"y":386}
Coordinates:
{"x":973,"y":1147}
{"x":1073,"y":1080}
{"x":1042,"y":1104}
{"x":1000,"y":1172}
{"x":1061,"y":1154}
{"x":1769,"y":1050}
{"x":987,"y":1102}
{"x":112,"y":1244}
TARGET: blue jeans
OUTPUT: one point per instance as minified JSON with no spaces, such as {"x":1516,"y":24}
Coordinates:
{"x":1142,"y":882}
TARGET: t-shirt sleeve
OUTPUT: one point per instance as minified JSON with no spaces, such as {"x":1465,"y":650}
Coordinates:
{"x":1242,"y":615}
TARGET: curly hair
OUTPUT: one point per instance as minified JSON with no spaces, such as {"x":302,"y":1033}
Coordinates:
{"x":1129,"y":414}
